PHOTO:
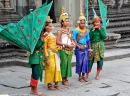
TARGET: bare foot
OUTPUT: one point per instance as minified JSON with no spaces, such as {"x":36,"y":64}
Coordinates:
{"x":86,"y":76}
{"x":97,"y":78}
{"x":85,"y":79}
{"x":81,"y":80}
{"x":57,"y":87}
{"x":37,"y":93}
{"x":66,"y":83}
{"x":50,"y":87}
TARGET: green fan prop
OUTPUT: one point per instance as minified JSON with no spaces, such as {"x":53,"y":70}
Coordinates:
{"x":103,"y":12}
{"x":26,"y":32}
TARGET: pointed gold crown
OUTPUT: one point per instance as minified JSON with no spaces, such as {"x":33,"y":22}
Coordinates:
{"x":49,"y":19}
{"x":63,"y":15}
{"x":81,"y":16}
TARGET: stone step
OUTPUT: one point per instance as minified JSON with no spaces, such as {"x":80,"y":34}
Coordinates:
{"x":124,"y":40}
{"x":123,"y":31}
{"x":119,"y":19}
{"x":119,"y":24}
{"x":8,"y":16}
{"x":7,"y":22}
{"x":7,"y":11}
{"x":115,"y":12}
{"x":113,"y":15}
{"x":123,"y":45}
{"x":12,"y":53}
{"x":10,"y":19}
{"x":119,"y":29}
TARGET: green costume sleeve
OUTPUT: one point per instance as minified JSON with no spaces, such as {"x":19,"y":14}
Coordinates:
{"x":26,"y":32}
{"x":39,"y":44}
{"x":91,"y":34}
{"x":102,"y":33}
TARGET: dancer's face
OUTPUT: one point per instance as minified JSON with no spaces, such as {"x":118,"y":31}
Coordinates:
{"x":82,"y":24}
{"x":97,"y":23}
{"x":49,"y":27}
{"x":65,"y":22}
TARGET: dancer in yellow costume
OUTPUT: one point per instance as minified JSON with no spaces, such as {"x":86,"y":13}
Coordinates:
{"x":52,"y":62}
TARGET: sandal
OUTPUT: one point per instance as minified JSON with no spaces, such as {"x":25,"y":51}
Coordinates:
{"x":57,"y":87}
{"x":50,"y":87}
{"x":66,"y":83}
{"x":81,"y":79}
{"x":84,"y":79}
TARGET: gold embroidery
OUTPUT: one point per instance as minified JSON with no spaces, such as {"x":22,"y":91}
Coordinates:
{"x":82,"y":30}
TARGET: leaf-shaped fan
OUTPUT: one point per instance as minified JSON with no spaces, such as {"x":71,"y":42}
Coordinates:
{"x":103,"y":12}
{"x":26,"y":32}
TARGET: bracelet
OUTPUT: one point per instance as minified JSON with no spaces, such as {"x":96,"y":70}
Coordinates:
{"x":63,"y":46}
{"x":90,"y":50}
{"x":46,"y":57}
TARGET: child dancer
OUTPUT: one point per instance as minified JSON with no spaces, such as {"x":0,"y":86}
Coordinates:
{"x":97,"y":35}
{"x":52,"y":63}
{"x":64,"y":39}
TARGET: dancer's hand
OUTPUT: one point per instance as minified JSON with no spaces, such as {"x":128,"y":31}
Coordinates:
{"x":47,"y":62}
{"x":96,"y":27}
{"x":71,"y":46}
{"x":44,"y":35}
{"x":90,"y":53}
{"x":82,"y":47}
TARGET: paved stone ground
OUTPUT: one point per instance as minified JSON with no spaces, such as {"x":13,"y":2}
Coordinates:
{"x":114,"y":81}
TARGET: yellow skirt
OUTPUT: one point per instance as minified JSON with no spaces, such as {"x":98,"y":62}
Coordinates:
{"x":51,"y":74}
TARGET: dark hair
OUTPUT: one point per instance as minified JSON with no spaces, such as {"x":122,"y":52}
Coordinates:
{"x":61,"y":23}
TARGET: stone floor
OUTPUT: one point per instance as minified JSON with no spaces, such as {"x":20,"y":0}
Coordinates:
{"x":114,"y":81}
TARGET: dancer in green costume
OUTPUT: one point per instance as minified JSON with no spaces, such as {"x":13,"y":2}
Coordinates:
{"x":97,"y":35}
{"x":27,"y":34}
{"x":64,"y":39}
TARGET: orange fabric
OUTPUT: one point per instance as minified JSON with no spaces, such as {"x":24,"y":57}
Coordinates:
{"x":33,"y":82}
{"x":99,"y":69}
{"x":96,"y":19}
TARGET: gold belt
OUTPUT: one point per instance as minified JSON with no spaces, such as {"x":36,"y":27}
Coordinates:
{"x":53,"y":50}
{"x":65,"y":48}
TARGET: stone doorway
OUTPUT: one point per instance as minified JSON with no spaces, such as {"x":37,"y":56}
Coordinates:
{"x":52,"y":11}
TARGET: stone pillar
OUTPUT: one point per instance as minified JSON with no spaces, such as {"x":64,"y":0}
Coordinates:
{"x":7,"y":3}
{"x":38,"y":3}
{"x":58,"y":5}
{"x":71,"y":7}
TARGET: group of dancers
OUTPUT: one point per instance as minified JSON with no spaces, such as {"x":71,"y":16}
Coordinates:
{"x":54,"y":53}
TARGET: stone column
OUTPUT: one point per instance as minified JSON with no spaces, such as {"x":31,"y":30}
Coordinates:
{"x":7,"y":3}
{"x":58,"y":5}
{"x":38,"y":3}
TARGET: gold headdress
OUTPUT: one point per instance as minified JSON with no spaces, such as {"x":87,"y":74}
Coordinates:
{"x":49,"y":19}
{"x":81,"y":17}
{"x":63,"y":15}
